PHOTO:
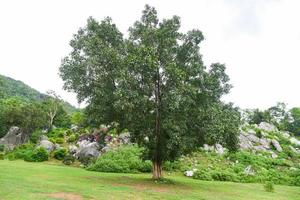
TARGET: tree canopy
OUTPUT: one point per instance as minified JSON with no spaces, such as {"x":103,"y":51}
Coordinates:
{"x":154,"y":83}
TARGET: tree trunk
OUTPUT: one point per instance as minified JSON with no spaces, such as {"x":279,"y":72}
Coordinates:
{"x":157,"y":170}
{"x":157,"y":161}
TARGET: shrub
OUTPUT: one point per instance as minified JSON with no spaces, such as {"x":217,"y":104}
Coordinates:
{"x":60,"y":154}
{"x":87,"y":160}
{"x":124,"y":159}
{"x":202,"y":175}
{"x":1,"y":156}
{"x":57,"y":133}
{"x":172,"y":166}
{"x":69,"y":159}
{"x":2,"y":147}
{"x":35,"y":136}
{"x":38,"y":155}
{"x":72,"y":138}
{"x":59,"y":140}
{"x":269,"y":186}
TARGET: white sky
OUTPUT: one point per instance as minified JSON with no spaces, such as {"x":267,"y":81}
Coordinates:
{"x":258,"y":40}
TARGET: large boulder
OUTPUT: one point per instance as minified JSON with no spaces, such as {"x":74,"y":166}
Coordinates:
{"x":219,"y":149}
{"x":49,"y":146}
{"x":244,"y":142}
{"x":14,"y":137}
{"x":88,"y":151}
{"x":267,"y":127}
{"x":276,"y":145}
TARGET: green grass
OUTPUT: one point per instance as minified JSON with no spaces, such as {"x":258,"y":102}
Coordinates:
{"x":29,"y":181}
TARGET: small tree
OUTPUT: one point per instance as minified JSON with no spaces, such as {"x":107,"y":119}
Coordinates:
{"x":52,"y":105}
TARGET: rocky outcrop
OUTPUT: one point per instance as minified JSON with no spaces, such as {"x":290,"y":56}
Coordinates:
{"x":276,"y":145}
{"x":267,"y":127}
{"x":217,"y":148}
{"x":49,"y":146}
{"x":14,"y":137}
{"x":87,"y":150}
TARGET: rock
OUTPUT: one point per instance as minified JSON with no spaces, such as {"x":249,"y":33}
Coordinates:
{"x":73,"y":149}
{"x":286,"y":134}
{"x":244,"y":142}
{"x":253,"y":138}
{"x":295,"y":141}
{"x":265,"y":143}
{"x":190,"y":173}
{"x":83,"y":143}
{"x":276,"y":144}
{"x":259,"y":148}
{"x":249,"y":171}
{"x":14,"y":137}
{"x":274,"y":155}
{"x":43,"y":137}
{"x":267,"y":127}
{"x":74,"y":128}
{"x":206,"y":147}
{"x":105,"y":149}
{"x":87,"y":152}
{"x":219,"y":149}
{"x":295,"y":150}
{"x":124,"y":138}
{"x":57,"y":146}
{"x":251,"y":132}
{"x":49,"y":146}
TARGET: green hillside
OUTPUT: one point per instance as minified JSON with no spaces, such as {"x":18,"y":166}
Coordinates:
{"x":10,"y":87}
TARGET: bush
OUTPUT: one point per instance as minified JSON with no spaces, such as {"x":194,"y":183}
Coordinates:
{"x":60,"y":154}
{"x":59,"y":140}
{"x":269,"y":186}
{"x":125,"y":159}
{"x":172,"y":166}
{"x":72,"y":138}
{"x":38,"y":155}
{"x":69,"y":159}
{"x":1,"y":156}
{"x":35,"y":136}
{"x":2,"y":147}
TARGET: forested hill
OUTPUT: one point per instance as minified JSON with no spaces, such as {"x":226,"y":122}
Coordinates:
{"x":10,"y":87}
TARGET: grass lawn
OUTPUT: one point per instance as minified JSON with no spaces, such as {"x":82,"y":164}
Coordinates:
{"x":28,"y":181}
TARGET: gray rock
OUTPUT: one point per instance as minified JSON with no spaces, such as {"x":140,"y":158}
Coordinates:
{"x":276,"y":144}
{"x":73,"y":149}
{"x":295,"y":150}
{"x":295,"y":141}
{"x":43,"y":137}
{"x":206,"y":147}
{"x":219,"y":149}
{"x":83,"y":143}
{"x":49,"y":146}
{"x":87,"y":152}
{"x":74,"y":127}
{"x":265,"y":143}
{"x":253,"y":138}
{"x":124,"y":138}
{"x":244,"y":142}
{"x":190,"y":173}
{"x":57,"y":146}
{"x":267,"y":127}
{"x":274,"y":155}
{"x":14,"y":137}
{"x":249,"y":171}
{"x":286,"y":134}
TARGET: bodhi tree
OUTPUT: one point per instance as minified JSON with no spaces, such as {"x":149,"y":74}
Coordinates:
{"x":154,"y":83}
